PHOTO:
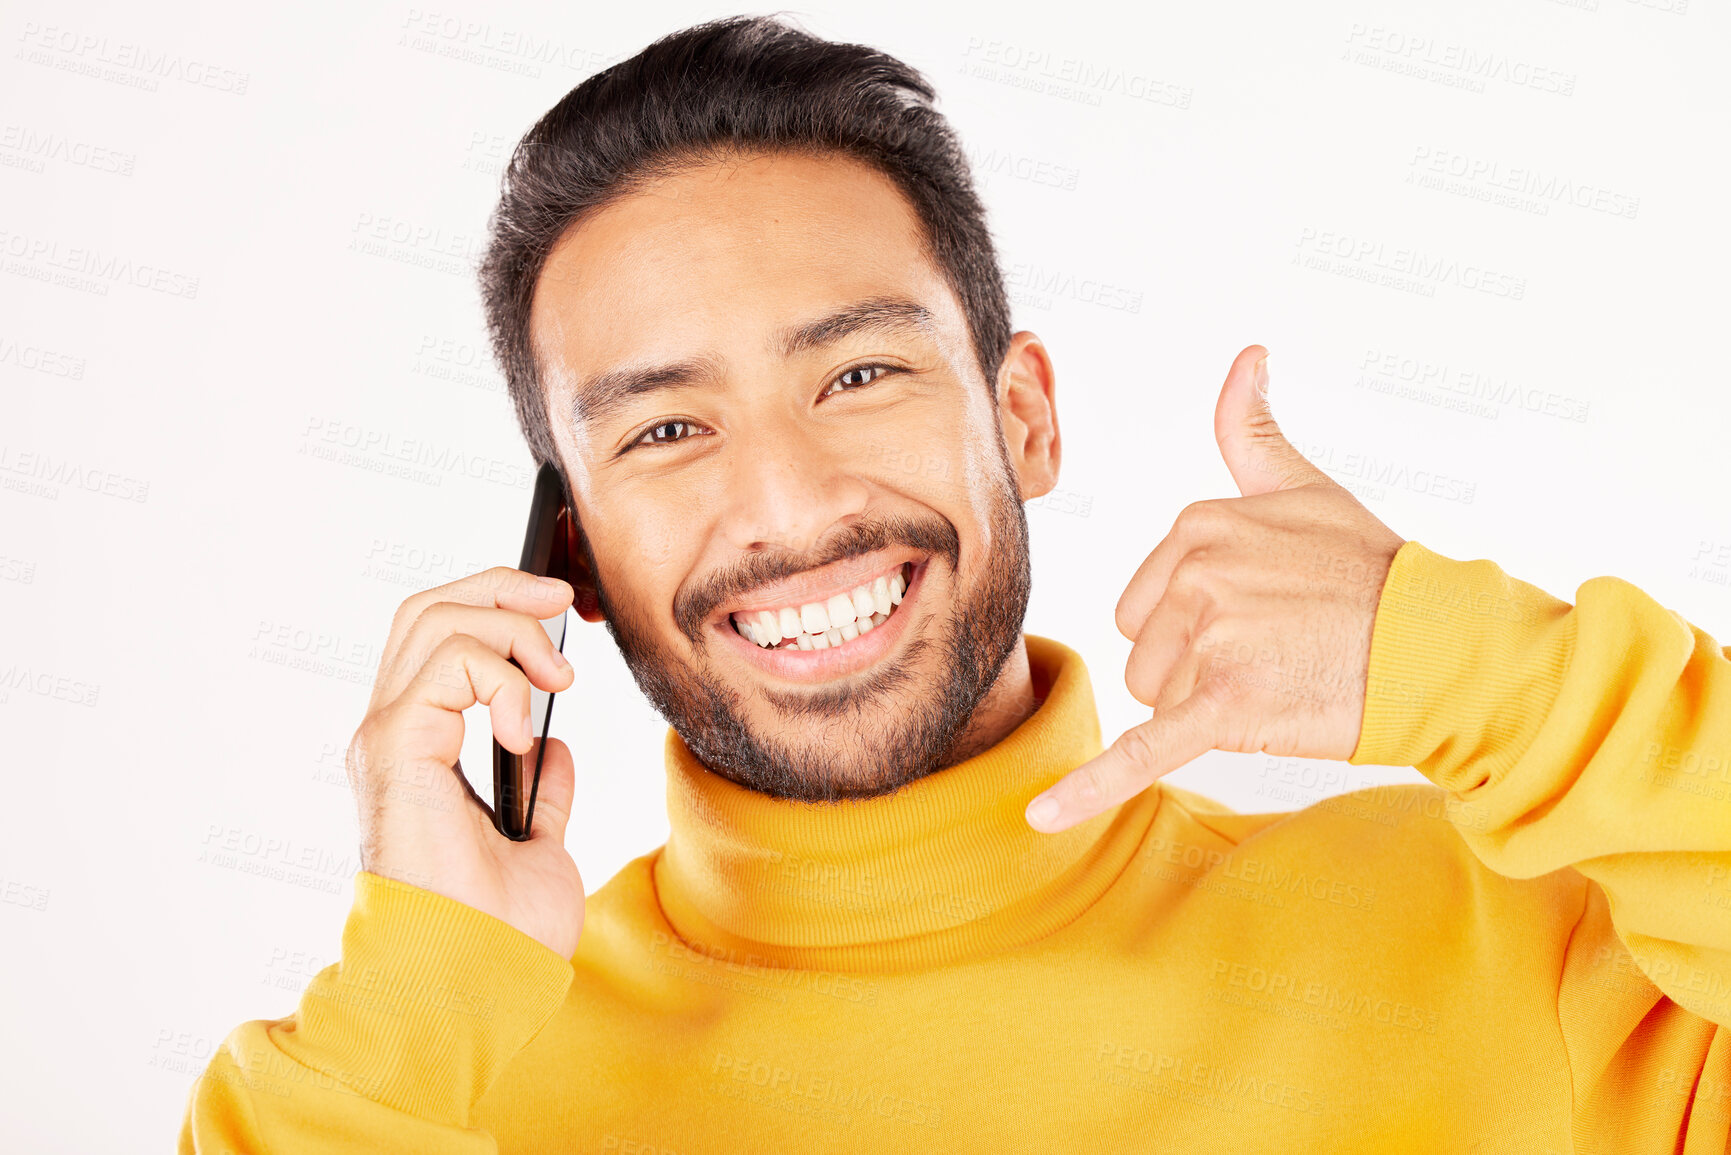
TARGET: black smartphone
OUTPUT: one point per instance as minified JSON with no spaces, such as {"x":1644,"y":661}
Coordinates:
{"x":547,"y":551}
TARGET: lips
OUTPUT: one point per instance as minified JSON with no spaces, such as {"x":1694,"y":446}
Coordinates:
{"x":846,"y":649}
{"x":820,"y":586}
{"x":828,"y":621}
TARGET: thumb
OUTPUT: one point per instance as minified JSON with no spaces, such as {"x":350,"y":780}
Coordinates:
{"x":553,"y":794}
{"x":1129,"y":766}
{"x":1257,"y":453}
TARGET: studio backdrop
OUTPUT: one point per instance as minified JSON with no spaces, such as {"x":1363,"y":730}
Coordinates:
{"x":247,"y":404}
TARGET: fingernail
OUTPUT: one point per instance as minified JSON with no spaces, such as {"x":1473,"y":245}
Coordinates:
{"x":559,"y":660}
{"x":1262,"y":377}
{"x":1043,"y":811}
{"x":550,"y":582}
{"x":528,"y":729}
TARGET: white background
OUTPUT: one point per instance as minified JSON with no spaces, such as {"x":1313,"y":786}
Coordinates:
{"x":184,"y":658}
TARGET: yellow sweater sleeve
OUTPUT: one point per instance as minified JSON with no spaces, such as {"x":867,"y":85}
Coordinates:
{"x":391,"y":1047}
{"x":1595,"y":736}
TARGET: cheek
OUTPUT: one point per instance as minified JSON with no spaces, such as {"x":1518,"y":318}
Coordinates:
{"x":637,"y":562}
{"x":929,"y":472}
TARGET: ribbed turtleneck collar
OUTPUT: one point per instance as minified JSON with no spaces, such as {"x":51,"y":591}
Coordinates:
{"x":941,"y":870}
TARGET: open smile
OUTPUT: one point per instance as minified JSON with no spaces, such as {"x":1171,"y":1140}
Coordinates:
{"x":827,"y":623}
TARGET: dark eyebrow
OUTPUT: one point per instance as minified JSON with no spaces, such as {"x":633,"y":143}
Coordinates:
{"x":605,"y":393}
{"x":598,"y":397}
{"x":880,"y":314}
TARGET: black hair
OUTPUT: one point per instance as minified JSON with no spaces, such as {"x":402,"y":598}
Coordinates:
{"x":739,"y":84}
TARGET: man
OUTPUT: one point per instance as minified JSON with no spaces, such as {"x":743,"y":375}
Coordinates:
{"x":909,"y":901}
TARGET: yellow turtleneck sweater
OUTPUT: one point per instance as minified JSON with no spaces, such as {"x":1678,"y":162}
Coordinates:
{"x":1532,"y":955}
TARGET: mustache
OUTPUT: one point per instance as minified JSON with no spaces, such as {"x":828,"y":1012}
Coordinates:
{"x":934,"y":536}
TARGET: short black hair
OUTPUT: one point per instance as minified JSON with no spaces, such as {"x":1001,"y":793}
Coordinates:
{"x":742,"y":84}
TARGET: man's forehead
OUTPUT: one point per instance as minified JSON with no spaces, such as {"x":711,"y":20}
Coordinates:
{"x":727,"y":241}
{"x":748,"y":252}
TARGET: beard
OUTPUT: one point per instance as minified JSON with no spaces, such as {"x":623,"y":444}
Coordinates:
{"x":889,"y":725}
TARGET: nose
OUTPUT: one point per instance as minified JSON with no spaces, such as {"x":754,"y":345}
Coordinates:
{"x":789,"y":487}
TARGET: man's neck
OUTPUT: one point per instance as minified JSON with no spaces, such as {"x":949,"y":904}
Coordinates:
{"x":1010,"y":702}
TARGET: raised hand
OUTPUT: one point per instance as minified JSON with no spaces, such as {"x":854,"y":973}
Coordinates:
{"x":420,"y":822}
{"x":1251,"y":620}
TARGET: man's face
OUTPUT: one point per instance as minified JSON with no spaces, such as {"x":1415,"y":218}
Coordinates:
{"x":770,"y":412}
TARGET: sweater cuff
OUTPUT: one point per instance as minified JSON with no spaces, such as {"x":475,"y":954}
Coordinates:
{"x":430,"y":1001}
{"x":1465,"y":664}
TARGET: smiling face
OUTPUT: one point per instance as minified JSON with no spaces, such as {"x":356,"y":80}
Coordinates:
{"x":802,"y":502}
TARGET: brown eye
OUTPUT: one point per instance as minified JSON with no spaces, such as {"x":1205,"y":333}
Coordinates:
{"x":856,"y":377}
{"x":654,"y":435}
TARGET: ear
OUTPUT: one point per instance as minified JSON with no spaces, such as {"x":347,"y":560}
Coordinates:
{"x":1029,"y":415}
{"x":576,"y":568}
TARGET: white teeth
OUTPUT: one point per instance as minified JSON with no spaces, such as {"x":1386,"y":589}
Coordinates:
{"x":839,"y":610}
{"x":881,"y":595}
{"x":835,"y":621}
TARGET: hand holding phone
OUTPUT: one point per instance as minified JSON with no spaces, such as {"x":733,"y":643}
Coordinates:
{"x":476,"y":640}
{"x":546,"y":553}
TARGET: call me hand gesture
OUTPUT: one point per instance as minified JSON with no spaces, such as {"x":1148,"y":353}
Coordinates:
{"x":1251,"y":619}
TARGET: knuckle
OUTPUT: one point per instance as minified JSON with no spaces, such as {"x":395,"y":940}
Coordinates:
{"x":448,"y":662}
{"x":1221,"y":691}
{"x":1141,"y":672}
{"x":415,"y":604}
{"x":364,"y":752}
{"x":1092,"y":786}
{"x":1200,"y":517}
{"x":363,"y":738}
{"x":1189,"y":580}
{"x":1137,"y":747}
